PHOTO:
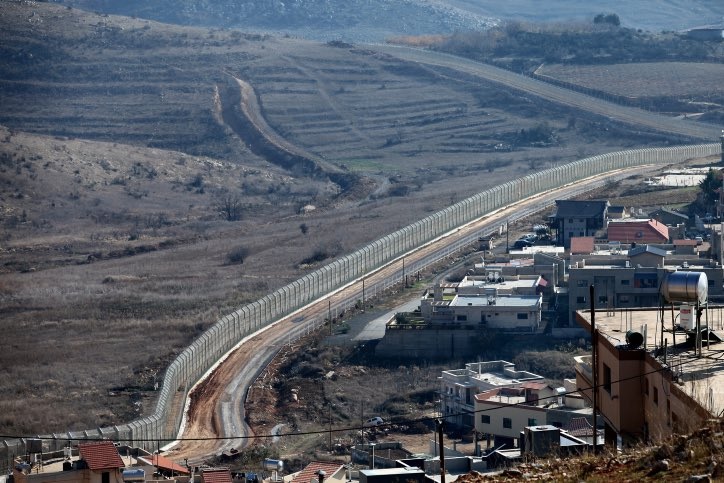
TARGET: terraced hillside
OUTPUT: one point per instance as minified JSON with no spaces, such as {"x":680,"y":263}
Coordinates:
{"x":122,"y":252}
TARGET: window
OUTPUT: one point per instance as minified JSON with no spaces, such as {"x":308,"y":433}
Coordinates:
{"x":656,"y":396}
{"x":607,"y":378}
{"x":582,"y":283}
{"x":623,"y":299}
{"x":580,"y":300}
{"x":507,"y":423}
{"x":645,"y":280}
{"x":532,"y":422}
{"x":522,"y":316}
{"x":105,"y":477}
{"x":462,"y":318}
{"x":603,"y":299}
{"x":626,"y":282}
{"x":485,"y":419}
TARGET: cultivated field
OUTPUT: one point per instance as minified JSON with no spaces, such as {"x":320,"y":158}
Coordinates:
{"x":682,"y":80}
{"x":135,"y":209}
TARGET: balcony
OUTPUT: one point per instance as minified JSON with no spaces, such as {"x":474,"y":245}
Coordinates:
{"x":584,"y":366}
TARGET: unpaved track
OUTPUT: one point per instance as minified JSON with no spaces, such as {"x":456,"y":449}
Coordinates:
{"x":628,"y":115}
{"x":217,"y":403}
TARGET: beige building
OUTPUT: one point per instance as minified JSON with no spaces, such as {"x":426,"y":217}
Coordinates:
{"x":98,"y":462}
{"x":458,"y":388}
{"x":655,"y":386}
{"x":503,"y":413}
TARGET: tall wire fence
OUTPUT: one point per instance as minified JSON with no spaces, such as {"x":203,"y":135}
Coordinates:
{"x":229,"y":330}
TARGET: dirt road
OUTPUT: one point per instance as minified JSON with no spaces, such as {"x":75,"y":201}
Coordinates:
{"x":216,"y":409}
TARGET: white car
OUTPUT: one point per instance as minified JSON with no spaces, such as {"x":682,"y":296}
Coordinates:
{"x":371,"y":422}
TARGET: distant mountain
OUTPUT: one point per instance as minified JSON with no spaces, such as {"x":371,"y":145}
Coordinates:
{"x":375,"y":20}
{"x":350,"y":20}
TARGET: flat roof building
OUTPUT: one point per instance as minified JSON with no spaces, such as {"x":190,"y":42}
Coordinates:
{"x":458,"y":387}
{"x":657,"y":385}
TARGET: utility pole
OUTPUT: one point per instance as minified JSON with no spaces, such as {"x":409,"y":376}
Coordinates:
{"x":329,"y":317}
{"x":330,"y":428}
{"x":404,"y":277}
{"x":363,"y":295}
{"x":594,"y":364}
{"x":439,"y":423}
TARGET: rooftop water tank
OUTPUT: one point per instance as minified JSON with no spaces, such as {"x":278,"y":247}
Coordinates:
{"x":685,"y":287}
{"x":273,"y":465}
{"x":136,"y":474}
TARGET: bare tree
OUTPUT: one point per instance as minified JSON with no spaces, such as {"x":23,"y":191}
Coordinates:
{"x":229,"y":205}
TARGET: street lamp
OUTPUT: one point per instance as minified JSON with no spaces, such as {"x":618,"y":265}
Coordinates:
{"x":373,"y":454}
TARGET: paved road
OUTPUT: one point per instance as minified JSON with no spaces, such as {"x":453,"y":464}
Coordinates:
{"x":628,"y":115}
{"x":375,"y":328}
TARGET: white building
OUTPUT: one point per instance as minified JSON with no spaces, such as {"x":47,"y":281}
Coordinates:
{"x":487,"y":302}
{"x":458,"y":387}
{"x":502,"y":413}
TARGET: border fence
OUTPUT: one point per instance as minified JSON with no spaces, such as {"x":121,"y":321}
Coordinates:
{"x":191,"y":364}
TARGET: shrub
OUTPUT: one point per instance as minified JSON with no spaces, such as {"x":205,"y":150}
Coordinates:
{"x":237,"y":255}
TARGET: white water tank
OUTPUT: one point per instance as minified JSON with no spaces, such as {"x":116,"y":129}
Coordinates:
{"x":687,"y":320}
{"x":683,"y":286}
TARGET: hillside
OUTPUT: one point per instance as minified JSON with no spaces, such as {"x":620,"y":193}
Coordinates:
{"x":374,"y":21}
{"x":141,"y":198}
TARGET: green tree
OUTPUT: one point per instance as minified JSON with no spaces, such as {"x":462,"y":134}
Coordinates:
{"x":710,"y":185}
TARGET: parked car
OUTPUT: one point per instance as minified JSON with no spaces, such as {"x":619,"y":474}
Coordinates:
{"x":520,"y":244}
{"x":371,"y":422}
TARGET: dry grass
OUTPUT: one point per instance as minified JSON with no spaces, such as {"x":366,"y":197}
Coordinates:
{"x":652,"y":79}
{"x":113,"y":251}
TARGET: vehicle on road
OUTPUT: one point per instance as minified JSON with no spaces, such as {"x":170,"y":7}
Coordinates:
{"x":520,"y":244}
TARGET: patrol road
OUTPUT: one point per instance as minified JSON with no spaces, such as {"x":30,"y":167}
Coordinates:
{"x":528,"y":85}
{"x":217,"y":404}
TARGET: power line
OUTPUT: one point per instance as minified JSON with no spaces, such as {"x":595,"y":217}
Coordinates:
{"x":341,"y":430}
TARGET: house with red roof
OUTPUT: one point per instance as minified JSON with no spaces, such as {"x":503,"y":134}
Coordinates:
{"x":98,"y":462}
{"x":333,"y":473}
{"x":216,"y":475}
{"x":638,"y":231}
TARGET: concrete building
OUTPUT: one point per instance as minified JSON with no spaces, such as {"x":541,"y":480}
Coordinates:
{"x":632,"y":279}
{"x":503,"y":413}
{"x":578,"y":218}
{"x":458,"y":388}
{"x":669,"y":217}
{"x":658,"y":384}
{"x":487,"y":302}
{"x":101,"y":462}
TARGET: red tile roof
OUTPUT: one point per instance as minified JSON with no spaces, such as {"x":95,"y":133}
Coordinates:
{"x":310,"y":472}
{"x":534,"y":385}
{"x":216,"y":475}
{"x":164,"y":463}
{"x":579,"y":427}
{"x":639,"y":231}
{"x":582,"y":244}
{"x":101,"y":455}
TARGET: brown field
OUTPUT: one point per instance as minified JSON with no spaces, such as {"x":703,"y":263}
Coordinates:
{"x":653,"y":79}
{"x":118,"y":168}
